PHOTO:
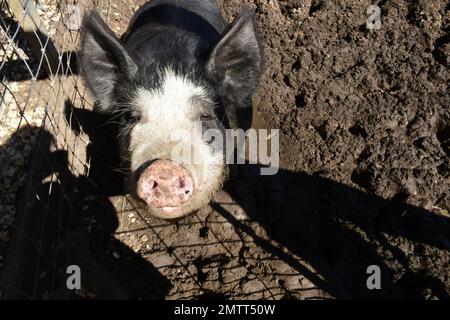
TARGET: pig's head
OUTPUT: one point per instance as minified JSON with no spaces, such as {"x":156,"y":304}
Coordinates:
{"x":152,"y":100}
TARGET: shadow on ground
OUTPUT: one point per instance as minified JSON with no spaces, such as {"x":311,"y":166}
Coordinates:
{"x":336,"y":229}
{"x":341,"y":231}
{"x":66,"y":220}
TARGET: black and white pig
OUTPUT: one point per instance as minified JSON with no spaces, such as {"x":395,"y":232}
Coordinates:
{"x":177,"y":64}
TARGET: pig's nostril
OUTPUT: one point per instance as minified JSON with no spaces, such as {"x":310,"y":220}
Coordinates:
{"x":150,"y":185}
{"x":179,"y":183}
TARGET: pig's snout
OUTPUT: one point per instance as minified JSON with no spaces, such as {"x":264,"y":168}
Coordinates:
{"x":165,"y":185}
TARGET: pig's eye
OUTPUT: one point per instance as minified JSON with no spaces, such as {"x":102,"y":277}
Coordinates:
{"x":205,"y":116}
{"x":211,"y":140}
{"x":132,"y":117}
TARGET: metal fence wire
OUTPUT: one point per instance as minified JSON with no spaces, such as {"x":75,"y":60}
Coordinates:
{"x":61,"y":203}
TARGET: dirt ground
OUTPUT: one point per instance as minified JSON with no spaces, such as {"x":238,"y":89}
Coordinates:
{"x":365,"y":111}
{"x":364,"y":119}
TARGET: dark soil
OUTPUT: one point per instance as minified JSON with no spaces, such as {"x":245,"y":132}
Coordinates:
{"x":364,"y":180}
{"x":365,"y":116}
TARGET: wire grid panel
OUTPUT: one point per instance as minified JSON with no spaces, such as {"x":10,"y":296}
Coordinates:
{"x":22,"y":109}
{"x":72,"y":210}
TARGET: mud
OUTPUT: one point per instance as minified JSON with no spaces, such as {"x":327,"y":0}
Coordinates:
{"x":368,"y":110}
{"x":364,"y":180}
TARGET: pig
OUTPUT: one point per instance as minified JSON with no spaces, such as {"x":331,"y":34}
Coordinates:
{"x":178,"y":63}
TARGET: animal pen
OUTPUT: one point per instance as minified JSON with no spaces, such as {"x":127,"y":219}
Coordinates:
{"x":364,"y":164}
{"x":54,"y":151}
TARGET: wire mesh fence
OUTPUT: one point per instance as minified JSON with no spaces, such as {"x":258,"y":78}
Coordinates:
{"x":61,"y":198}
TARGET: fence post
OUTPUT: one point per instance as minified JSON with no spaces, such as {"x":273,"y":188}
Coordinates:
{"x":29,"y":20}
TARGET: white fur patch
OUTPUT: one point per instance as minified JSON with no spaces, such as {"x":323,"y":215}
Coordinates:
{"x":175,"y":106}
{"x":163,"y":110}
{"x":172,"y":103}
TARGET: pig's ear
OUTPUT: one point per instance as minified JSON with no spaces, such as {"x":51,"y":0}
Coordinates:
{"x":236,"y":61}
{"x":104,"y":60}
